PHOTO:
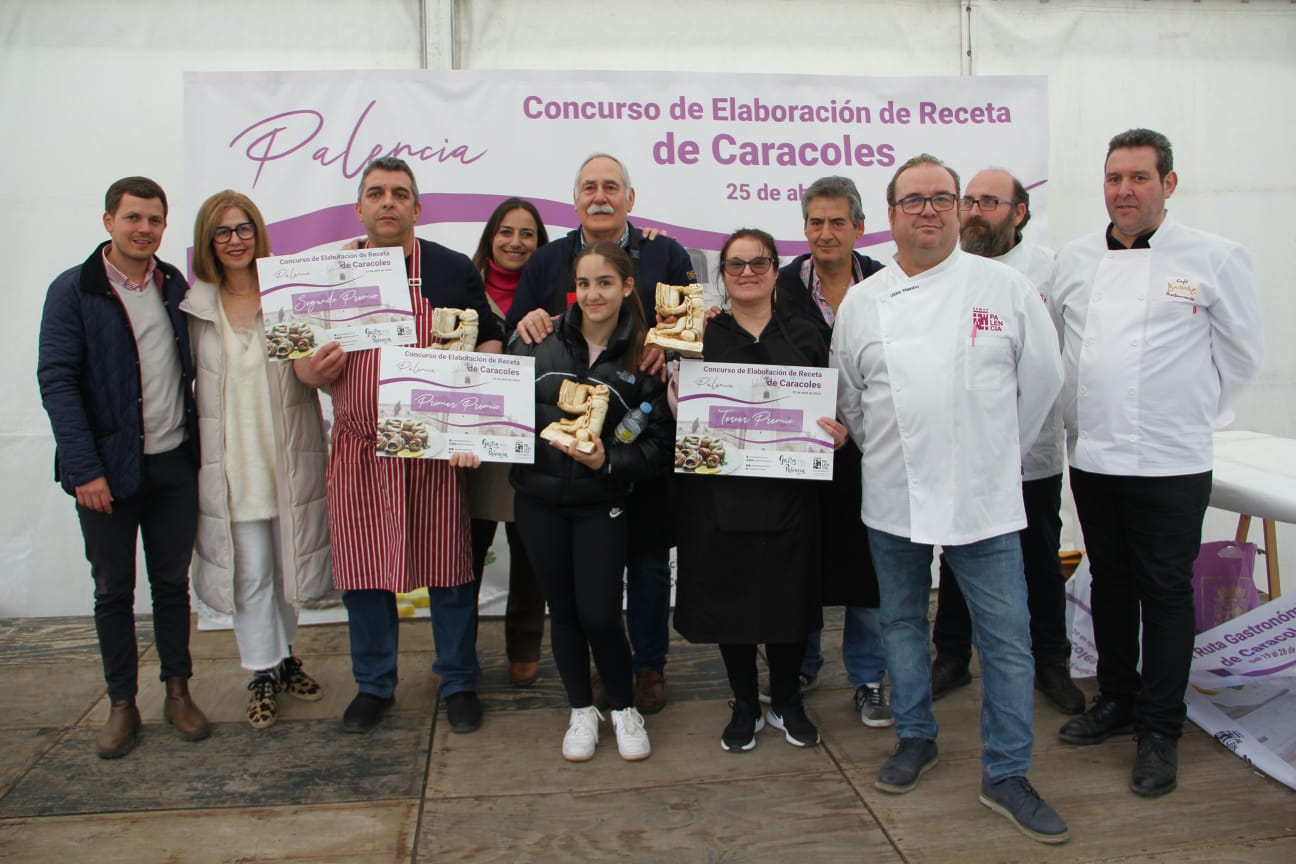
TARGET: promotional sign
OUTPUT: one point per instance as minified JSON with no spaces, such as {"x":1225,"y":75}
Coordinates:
{"x":359,"y":298}
{"x":754,"y":420}
{"x":1242,"y":688}
{"x":433,"y":403}
{"x":706,"y":153}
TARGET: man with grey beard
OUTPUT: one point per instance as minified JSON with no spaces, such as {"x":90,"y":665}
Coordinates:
{"x":992,"y":212}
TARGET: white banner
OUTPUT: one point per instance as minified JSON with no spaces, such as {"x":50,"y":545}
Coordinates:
{"x":707,"y":153}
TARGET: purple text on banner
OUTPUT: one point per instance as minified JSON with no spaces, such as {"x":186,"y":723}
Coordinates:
{"x":335,"y":299}
{"x":484,"y":404}
{"x":722,"y":417}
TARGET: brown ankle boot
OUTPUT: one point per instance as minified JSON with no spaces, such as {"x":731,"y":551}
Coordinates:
{"x":180,"y":711}
{"x":120,"y":733}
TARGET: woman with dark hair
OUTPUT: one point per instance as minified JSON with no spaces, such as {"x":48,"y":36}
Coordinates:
{"x":263,"y":543}
{"x":512,"y":233}
{"x":749,"y":547}
{"x":570,"y":504}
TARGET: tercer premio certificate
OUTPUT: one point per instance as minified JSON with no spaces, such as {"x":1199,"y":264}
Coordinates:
{"x":754,"y":420}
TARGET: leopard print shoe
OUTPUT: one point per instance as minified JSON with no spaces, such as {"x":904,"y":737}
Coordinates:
{"x":293,"y":679}
{"x":262,"y":709}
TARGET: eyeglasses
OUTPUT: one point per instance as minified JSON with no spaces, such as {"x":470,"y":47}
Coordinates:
{"x":914,"y":204}
{"x":987,"y":203}
{"x":244,"y":230}
{"x":759,"y":266}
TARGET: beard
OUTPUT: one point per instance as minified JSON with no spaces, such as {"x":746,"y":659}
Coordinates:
{"x":979,"y":237}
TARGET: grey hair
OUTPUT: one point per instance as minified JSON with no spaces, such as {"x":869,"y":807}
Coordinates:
{"x":838,"y":187}
{"x":625,"y":172}
{"x":388,"y":163}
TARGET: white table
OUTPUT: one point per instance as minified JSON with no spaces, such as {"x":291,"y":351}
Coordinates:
{"x":1255,"y":475}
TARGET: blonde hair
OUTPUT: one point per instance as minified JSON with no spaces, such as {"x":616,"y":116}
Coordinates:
{"x":206,"y":266}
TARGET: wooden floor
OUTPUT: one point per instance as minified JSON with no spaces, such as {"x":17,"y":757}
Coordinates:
{"x":303,"y":791}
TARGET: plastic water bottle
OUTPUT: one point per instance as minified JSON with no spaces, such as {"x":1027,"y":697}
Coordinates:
{"x":633,"y":424}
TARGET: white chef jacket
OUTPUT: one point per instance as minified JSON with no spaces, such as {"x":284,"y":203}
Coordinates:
{"x":1157,"y":344}
{"x":1047,"y":456}
{"x":945,"y":380}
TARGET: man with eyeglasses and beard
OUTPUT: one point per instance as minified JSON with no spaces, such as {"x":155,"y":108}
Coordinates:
{"x":603,"y":198}
{"x":992,"y":212}
{"x":948,"y":366}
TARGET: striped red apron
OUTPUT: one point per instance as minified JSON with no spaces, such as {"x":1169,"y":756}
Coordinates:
{"x":396,"y":524}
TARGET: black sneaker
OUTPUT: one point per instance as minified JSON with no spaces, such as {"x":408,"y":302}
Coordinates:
{"x":947,"y":675}
{"x":1016,"y":798}
{"x":365,"y":711}
{"x":464,"y":711}
{"x":1054,"y":681}
{"x":913,"y":757}
{"x":795,"y":725}
{"x":1106,"y":718}
{"x":740,"y":735}
{"x":1156,"y":767}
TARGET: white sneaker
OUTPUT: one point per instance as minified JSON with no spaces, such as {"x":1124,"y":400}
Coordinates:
{"x":632,"y":739}
{"x":582,"y":734}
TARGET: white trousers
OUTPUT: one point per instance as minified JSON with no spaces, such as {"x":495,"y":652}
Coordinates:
{"x":265,"y":624}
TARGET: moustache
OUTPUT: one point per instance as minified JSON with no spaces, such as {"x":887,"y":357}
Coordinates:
{"x":600,"y":210}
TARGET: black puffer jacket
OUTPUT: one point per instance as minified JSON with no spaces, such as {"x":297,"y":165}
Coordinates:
{"x":564,"y":355}
{"x":89,"y":377}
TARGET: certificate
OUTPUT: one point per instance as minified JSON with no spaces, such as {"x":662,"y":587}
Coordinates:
{"x":754,"y":420}
{"x":433,"y":403}
{"x":358,"y":297}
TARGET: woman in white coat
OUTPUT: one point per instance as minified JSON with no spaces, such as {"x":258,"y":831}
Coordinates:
{"x":262,"y":545}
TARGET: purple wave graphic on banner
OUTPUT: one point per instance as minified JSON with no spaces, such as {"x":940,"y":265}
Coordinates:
{"x":802,"y":439}
{"x":1253,"y":673}
{"x":325,"y":285}
{"x":428,"y":381}
{"x":509,"y":423}
{"x":367,"y":313}
{"x":731,"y":399}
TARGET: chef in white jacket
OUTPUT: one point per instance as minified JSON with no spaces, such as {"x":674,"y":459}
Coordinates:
{"x":1160,"y":332}
{"x":992,"y":213}
{"x":949,"y":366}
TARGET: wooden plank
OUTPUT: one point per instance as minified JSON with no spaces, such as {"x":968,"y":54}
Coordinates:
{"x":19,"y":750}
{"x":307,"y":762}
{"x":339,"y":834}
{"x":38,"y":694}
{"x":802,"y":817}
{"x":686,"y":748}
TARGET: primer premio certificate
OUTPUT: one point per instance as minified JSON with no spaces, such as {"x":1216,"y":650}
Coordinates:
{"x":754,"y":421}
{"x":432,"y":403}
{"x":359,"y":297}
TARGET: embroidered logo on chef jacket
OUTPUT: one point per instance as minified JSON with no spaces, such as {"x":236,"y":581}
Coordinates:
{"x":1181,"y":289}
{"x":985,"y":320}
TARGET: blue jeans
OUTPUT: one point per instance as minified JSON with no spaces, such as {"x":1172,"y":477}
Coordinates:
{"x":994,"y":584}
{"x":648,"y":608}
{"x":862,"y":652}
{"x":375,"y":635}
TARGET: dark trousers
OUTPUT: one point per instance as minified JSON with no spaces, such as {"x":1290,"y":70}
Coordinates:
{"x":784,"y":670}
{"x":524,"y":613}
{"x":165,"y":513}
{"x":1142,"y":535}
{"x":579,"y":554}
{"x":1045,"y":585}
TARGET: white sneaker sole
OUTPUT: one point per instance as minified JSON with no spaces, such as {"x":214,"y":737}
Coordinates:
{"x":884,"y":723}
{"x":750,"y":745}
{"x":776,"y":722}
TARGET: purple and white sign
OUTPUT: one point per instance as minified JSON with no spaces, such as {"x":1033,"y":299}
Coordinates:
{"x":754,"y":420}
{"x":359,"y":297}
{"x":433,"y":403}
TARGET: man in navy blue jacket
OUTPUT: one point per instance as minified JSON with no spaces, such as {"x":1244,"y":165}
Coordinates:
{"x":116,"y":378}
{"x":603,"y":198}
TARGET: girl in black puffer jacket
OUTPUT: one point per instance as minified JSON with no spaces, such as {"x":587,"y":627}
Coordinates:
{"x":569,"y":507}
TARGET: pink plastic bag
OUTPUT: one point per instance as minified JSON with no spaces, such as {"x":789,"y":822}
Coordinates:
{"x":1223,"y":582}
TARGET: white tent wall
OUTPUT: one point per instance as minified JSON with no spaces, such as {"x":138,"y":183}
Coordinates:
{"x":92,"y":91}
